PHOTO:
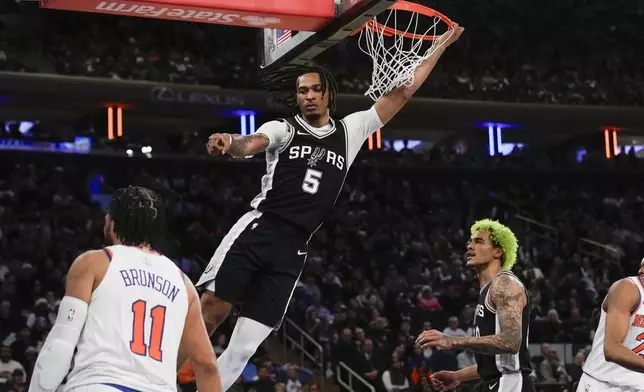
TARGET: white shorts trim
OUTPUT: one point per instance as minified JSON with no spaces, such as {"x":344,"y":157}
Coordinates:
{"x":210,"y":273}
{"x":511,"y":382}
{"x":93,"y":388}
{"x":107,"y":388}
{"x":589,"y":384}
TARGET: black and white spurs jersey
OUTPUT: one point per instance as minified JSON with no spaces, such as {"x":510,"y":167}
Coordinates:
{"x":486,"y":323}
{"x":305,"y":175}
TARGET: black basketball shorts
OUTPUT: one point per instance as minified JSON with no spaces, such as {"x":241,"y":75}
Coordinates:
{"x":257,"y":266}
{"x":511,"y":382}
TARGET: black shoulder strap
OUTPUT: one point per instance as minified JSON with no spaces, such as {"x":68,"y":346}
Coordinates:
{"x":289,"y":120}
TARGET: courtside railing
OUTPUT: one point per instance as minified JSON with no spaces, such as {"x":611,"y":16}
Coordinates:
{"x":352,"y":378}
{"x":597,"y":250}
{"x":539,"y":229}
{"x":305,"y":344}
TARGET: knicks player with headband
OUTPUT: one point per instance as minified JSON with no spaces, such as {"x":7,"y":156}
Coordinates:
{"x":616,"y":361}
{"x":127,"y":312}
{"x":501,"y":319}
{"x":308,"y":155}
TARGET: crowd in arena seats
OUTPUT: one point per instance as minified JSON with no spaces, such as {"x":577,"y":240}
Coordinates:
{"x":50,"y":205}
{"x":509,"y":52}
{"x":385,"y":266}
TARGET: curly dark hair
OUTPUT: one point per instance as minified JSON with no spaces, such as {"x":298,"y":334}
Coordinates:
{"x":282,"y":82}
{"x":139,"y":216}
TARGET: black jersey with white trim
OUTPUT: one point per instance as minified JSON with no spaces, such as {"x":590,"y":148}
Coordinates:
{"x":486,"y":323}
{"x":305,"y":174}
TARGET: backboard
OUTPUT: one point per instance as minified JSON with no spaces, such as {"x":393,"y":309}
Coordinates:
{"x":281,"y":46}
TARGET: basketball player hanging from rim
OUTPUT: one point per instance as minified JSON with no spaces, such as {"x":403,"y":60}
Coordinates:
{"x":501,"y":319}
{"x":308,"y":155}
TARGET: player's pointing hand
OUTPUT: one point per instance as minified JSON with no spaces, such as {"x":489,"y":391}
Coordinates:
{"x":433,"y":338}
{"x":218,"y":143}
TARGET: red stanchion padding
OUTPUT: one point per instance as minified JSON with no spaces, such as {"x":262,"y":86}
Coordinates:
{"x":298,"y":15}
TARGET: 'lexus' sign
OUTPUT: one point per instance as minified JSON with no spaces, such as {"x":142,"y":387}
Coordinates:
{"x":166,"y":94}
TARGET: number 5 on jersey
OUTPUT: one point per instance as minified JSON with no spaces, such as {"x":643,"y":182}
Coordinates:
{"x":137,"y":344}
{"x":311,"y":181}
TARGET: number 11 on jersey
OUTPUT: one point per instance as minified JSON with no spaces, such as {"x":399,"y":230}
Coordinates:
{"x":137,"y":344}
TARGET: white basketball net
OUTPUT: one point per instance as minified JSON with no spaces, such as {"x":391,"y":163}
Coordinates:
{"x":395,"y":58}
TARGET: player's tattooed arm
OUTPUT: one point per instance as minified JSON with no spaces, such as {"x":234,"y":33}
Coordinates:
{"x":509,"y":298}
{"x":237,"y":145}
{"x":244,"y":146}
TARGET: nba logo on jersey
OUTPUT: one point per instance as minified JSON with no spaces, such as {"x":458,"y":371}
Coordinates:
{"x":254,"y":226}
{"x":318,"y":154}
{"x":70,"y":315}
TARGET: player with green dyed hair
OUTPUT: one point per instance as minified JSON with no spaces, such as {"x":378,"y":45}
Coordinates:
{"x":501,"y":318}
{"x":501,"y":237}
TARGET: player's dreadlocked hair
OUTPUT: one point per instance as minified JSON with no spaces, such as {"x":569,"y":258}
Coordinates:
{"x":139,"y":216}
{"x":284,"y":81}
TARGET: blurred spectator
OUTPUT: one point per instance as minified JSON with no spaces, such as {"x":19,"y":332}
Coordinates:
{"x":427,"y":300}
{"x":369,"y":362}
{"x":293,"y":383}
{"x":452,"y":328}
{"x":264,"y":382}
{"x":551,"y":368}
{"x":394,"y":378}
{"x":575,"y":369}
{"x":222,"y":343}
{"x":8,"y":365}
{"x":465,"y":359}
{"x":17,"y":382}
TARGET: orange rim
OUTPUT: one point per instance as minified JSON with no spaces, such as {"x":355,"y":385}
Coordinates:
{"x":410,"y":7}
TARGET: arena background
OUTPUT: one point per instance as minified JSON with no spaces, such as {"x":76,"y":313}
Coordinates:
{"x":532,"y":118}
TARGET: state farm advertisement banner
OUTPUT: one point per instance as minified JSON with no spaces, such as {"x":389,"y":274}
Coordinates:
{"x":309,"y":15}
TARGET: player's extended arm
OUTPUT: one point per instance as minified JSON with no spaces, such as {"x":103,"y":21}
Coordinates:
{"x":622,"y":297}
{"x":55,"y":357}
{"x":445,"y":380}
{"x":245,"y":146}
{"x":195,"y":344}
{"x":391,"y":103}
{"x":467,"y":374}
{"x":237,"y":145}
{"x":510,"y":299}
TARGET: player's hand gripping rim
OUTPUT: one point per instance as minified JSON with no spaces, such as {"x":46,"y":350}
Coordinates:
{"x":450,"y":36}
